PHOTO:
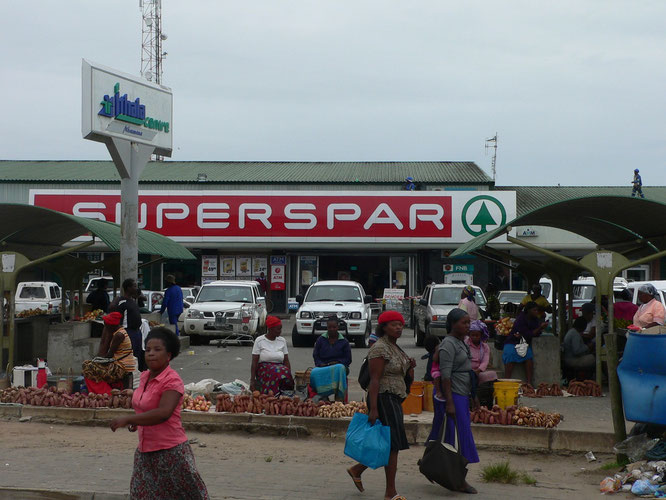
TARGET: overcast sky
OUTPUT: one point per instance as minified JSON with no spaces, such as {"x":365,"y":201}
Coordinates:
{"x":575,"y":89}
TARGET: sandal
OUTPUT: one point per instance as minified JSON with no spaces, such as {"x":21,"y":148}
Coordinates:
{"x":397,"y":497}
{"x":357,"y":480}
{"x":469,"y":489}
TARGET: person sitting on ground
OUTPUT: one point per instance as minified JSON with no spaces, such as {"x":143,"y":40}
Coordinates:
{"x":537,"y":297}
{"x":478,"y":348}
{"x":577,"y":353}
{"x":527,"y":326}
{"x":332,"y":357}
{"x":270,"y":370}
{"x":651,"y":312}
{"x":99,"y":299}
{"x":468,"y":302}
{"x":624,"y":309}
{"x":430,"y":343}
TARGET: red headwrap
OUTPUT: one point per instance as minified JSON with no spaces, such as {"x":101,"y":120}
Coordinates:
{"x":272,"y":321}
{"x":388,"y":316}
{"x":113,"y":318}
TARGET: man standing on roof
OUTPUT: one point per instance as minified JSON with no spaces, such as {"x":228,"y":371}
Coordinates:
{"x":409,"y":184}
{"x":638,"y":185}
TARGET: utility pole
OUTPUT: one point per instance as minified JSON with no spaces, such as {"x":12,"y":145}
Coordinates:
{"x":492,"y":144}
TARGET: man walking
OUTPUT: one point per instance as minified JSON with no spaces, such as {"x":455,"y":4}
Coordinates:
{"x":638,"y":185}
{"x":173,"y":301}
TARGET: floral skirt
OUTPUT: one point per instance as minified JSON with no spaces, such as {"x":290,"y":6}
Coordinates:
{"x":274,"y":377}
{"x":167,"y":475}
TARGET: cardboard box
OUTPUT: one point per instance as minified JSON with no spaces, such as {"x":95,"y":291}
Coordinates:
{"x":25,"y":376}
{"x":659,"y":329}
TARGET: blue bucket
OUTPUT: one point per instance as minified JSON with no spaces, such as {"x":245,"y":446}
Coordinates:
{"x":642,"y":375}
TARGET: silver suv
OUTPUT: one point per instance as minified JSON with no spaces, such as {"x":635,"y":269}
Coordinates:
{"x":436,"y":302}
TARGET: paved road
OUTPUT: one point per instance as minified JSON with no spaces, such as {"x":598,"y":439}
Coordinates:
{"x":226,"y":364}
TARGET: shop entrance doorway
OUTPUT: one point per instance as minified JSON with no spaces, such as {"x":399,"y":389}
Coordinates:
{"x":371,"y":271}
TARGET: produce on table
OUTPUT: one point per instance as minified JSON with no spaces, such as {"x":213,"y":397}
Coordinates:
{"x":91,"y":316}
{"x":513,"y":415}
{"x":504,"y":326}
{"x":585,"y":388}
{"x":31,"y":312}
{"x":53,"y":397}
{"x":198,"y":403}
{"x":283,"y":405}
{"x":543,"y":390}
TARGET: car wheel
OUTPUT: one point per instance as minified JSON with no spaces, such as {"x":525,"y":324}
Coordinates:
{"x":420,"y":336}
{"x":297,"y":340}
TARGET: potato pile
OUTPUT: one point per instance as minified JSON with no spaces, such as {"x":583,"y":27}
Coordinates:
{"x":52,"y":397}
{"x":514,"y":415}
{"x":585,"y":388}
{"x":31,"y":312}
{"x":543,"y":390}
{"x":339,"y":409}
{"x":198,"y":403}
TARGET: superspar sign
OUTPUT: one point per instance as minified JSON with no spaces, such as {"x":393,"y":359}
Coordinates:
{"x":288,"y":216}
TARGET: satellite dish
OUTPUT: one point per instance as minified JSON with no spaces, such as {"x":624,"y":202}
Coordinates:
{"x":164,"y":36}
{"x":149,"y":22}
{"x":148,"y":75}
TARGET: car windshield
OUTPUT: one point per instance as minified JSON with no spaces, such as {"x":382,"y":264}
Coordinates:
{"x":545,"y":289}
{"x":450,"y":296}
{"x":514,"y":297}
{"x":333,"y":293}
{"x":225,"y":293}
{"x":584,"y":292}
{"x":32,"y":292}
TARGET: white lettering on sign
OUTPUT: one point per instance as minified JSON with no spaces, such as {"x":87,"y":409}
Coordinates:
{"x":332,"y":216}
{"x":203,"y":216}
{"x":389,"y":218}
{"x":81,"y":210}
{"x":181,"y":211}
{"x":261,"y":216}
{"x":291,"y":214}
{"x":435,"y":218}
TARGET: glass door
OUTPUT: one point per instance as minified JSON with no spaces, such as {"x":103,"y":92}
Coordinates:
{"x":308,"y":272}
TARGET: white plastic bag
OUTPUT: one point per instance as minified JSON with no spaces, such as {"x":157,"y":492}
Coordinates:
{"x":202,"y":387}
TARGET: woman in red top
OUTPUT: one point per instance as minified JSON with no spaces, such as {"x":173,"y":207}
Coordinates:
{"x":163,"y":463}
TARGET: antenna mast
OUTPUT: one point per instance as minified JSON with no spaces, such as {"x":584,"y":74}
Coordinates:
{"x":492,"y":144}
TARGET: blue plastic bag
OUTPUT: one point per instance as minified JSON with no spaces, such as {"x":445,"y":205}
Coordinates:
{"x":368,"y":444}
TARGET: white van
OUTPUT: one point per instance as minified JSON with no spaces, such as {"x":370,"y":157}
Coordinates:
{"x":45,"y":295}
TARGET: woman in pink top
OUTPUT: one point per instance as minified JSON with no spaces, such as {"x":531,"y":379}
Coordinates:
{"x":163,"y":463}
{"x":651,"y":312}
{"x":468,"y":303}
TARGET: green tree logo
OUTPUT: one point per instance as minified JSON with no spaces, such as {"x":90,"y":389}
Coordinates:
{"x":483,"y":217}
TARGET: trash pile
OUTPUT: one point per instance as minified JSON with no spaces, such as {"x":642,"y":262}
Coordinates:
{"x":645,"y":476}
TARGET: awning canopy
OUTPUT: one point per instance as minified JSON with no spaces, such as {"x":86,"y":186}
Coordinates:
{"x":627,"y":225}
{"x":36,"y":232}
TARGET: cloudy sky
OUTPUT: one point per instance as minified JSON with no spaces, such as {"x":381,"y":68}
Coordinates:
{"x":575,"y":89}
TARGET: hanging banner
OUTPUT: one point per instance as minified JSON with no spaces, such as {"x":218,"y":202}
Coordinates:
{"x":277,"y":278}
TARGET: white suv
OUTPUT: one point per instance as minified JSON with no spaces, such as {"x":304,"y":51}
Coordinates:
{"x":345,"y":299}
{"x":45,"y":295}
{"x":224,"y":308}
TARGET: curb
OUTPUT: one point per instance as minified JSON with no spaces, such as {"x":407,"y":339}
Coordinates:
{"x":7,"y":493}
{"x":507,"y":437}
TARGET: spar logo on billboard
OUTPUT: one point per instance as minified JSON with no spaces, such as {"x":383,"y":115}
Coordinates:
{"x":295,"y":216}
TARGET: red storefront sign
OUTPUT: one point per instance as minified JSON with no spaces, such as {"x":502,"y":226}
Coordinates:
{"x":280,"y":216}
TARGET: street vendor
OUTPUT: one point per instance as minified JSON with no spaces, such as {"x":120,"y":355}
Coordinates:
{"x":332,"y":357}
{"x":527,"y":326}
{"x":270,"y":369}
{"x":478,"y":348}
{"x":468,"y":302}
{"x":651,"y":312}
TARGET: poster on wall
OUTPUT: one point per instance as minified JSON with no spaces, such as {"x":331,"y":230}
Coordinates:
{"x":244,"y":267}
{"x":227,"y":266}
{"x":209,"y":265}
{"x":277,"y":277}
{"x":259,"y":265}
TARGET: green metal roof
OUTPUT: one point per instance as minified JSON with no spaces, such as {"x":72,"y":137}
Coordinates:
{"x":442,"y":172}
{"x":35,"y":232}
{"x":621,"y":222}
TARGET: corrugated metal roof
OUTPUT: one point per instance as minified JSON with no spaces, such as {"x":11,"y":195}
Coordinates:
{"x":440,"y":172}
{"x":529,"y":198}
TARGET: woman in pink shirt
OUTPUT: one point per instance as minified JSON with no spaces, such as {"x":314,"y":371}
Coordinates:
{"x":163,"y":463}
{"x":478,"y":348}
{"x":651,"y":312}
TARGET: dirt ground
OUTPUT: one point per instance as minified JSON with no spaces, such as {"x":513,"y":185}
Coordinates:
{"x":244,"y":466}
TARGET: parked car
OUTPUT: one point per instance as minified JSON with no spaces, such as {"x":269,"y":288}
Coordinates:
{"x":585,"y":290}
{"x":45,"y":295}
{"x":345,"y":299}
{"x":224,"y":308}
{"x":660,"y":285}
{"x":513,"y":296}
{"x":436,"y":302}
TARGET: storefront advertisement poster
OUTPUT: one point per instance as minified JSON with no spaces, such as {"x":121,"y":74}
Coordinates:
{"x":209,"y":265}
{"x":277,"y":278}
{"x":394,"y":293}
{"x":244,"y":267}
{"x":259,"y":265}
{"x":227,"y":265}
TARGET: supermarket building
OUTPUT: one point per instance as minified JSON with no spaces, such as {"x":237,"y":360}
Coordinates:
{"x":299,"y":222}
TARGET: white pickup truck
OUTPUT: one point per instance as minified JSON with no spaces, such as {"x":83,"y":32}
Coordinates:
{"x":345,"y":299}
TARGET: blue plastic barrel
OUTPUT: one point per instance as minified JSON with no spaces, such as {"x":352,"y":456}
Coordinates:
{"x":642,"y":375}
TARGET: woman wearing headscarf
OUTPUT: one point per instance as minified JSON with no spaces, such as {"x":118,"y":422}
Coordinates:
{"x":468,"y":303}
{"x":478,"y":348}
{"x":651,"y":312}
{"x":388,"y":365}
{"x":455,"y":366}
{"x":271,"y":370}
{"x":332,"y":357}
{"x":527,"y":326}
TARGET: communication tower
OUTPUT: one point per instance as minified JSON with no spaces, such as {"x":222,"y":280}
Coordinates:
{"x":151,"y":40}
{"x":492,"y":144}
